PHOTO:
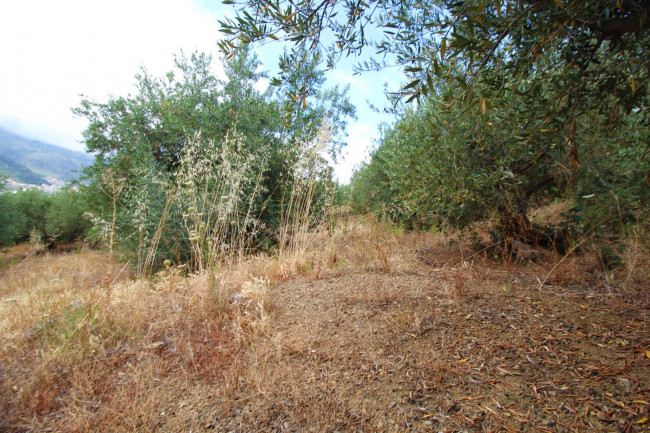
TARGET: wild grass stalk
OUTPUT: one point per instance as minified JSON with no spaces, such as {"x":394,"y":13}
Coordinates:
{"x":218,"y":186}
{"x":299,"y":219}
{"x":211,"y":200}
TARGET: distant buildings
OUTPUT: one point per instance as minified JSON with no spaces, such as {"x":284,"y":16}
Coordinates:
{"x":51,"y":187}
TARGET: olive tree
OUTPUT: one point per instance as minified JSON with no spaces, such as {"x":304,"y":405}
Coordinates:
{"x":518,"y":100}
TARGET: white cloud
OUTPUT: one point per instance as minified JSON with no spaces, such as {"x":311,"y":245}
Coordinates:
{"x":360,"y":142}
{"x":358,"y":83}
{"x":262,"y":85}
{"x":54,"y":51}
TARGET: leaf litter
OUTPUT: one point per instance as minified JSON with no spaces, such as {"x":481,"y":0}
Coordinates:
{"x":434,"y":344}
{"x":419,"y":350}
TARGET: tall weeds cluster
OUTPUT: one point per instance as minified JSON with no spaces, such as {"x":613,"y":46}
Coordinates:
{"x":218,"y":206}
{"x":215,"y":191}
{"x":300,"y":213}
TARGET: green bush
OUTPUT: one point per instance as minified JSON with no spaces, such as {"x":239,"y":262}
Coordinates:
{"x":30,"y":208}
{"x":500,"y":164}
{"x":9,"y":223}
{"x":173,"y":182}
{"x":58,"y":217}
{"x":65,"y":220}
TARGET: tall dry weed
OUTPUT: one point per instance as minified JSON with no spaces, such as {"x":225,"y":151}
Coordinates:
{"x":636,"y":258}
{"x":301,"y":224}
{"x":85,"y":347}
{"x":215,"y":188}
{"x":81,"y":338}
{"x":364,"y":242}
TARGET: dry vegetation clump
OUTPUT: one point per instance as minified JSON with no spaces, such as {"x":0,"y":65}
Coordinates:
{"x":360,"y":328}
{"x":449,"y":344}
{"x":85,"y":347}
{"x":364,"y":243}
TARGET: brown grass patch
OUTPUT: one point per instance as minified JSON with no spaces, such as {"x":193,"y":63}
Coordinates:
{"x":364,"y":329}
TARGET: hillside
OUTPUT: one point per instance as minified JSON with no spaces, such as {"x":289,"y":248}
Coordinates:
{"x":14,"y":170}
{"x":30,"y":161}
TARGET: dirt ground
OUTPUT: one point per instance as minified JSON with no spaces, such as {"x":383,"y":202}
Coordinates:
{"x":443,"y":347}
{"x":440,"y":343}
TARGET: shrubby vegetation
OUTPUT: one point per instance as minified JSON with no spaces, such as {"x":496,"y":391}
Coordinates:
{"x":30,"y":214}
{"x":519,"y":102}
{"x":192,"y":168}
{"x":459,"y":166}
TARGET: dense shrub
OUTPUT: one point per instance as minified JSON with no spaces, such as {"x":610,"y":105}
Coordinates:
{"x":193,"y":166}
{"x":52,"y":218}
{"x":65,"y":220}
{"x":459,"y":166}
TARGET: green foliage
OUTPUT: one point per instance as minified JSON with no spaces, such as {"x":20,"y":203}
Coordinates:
{"x":159,"y":117}
{"x":31,"y":206}
{"x":8,"y":223}
{"x":53,"y":218}
{"x":370,"y":188}
{"x":305,"y":101}
{"x":520,"y":102}
{"x":192,"y":166}
{"x":141,"y":139}
{"x":455,"y":166}
{"x":65,"y":220}
{"x":431,"y":37}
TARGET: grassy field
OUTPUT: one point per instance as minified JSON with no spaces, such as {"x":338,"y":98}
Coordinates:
{"x":364,"y":328}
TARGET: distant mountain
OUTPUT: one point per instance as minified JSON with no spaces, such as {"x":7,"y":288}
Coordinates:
{"x":31,"y":161}
{"x":18,"y":172}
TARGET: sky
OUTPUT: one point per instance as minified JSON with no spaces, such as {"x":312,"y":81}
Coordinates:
{"x":55,"y":51}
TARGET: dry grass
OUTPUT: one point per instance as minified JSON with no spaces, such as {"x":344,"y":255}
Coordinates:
{"x":361,"y":328}
{"x":83,"y":345}
{"x":87,"y":347}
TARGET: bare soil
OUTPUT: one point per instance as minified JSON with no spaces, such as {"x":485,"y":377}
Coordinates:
{"x":440,"y":343}
{"x":445,"y":347}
